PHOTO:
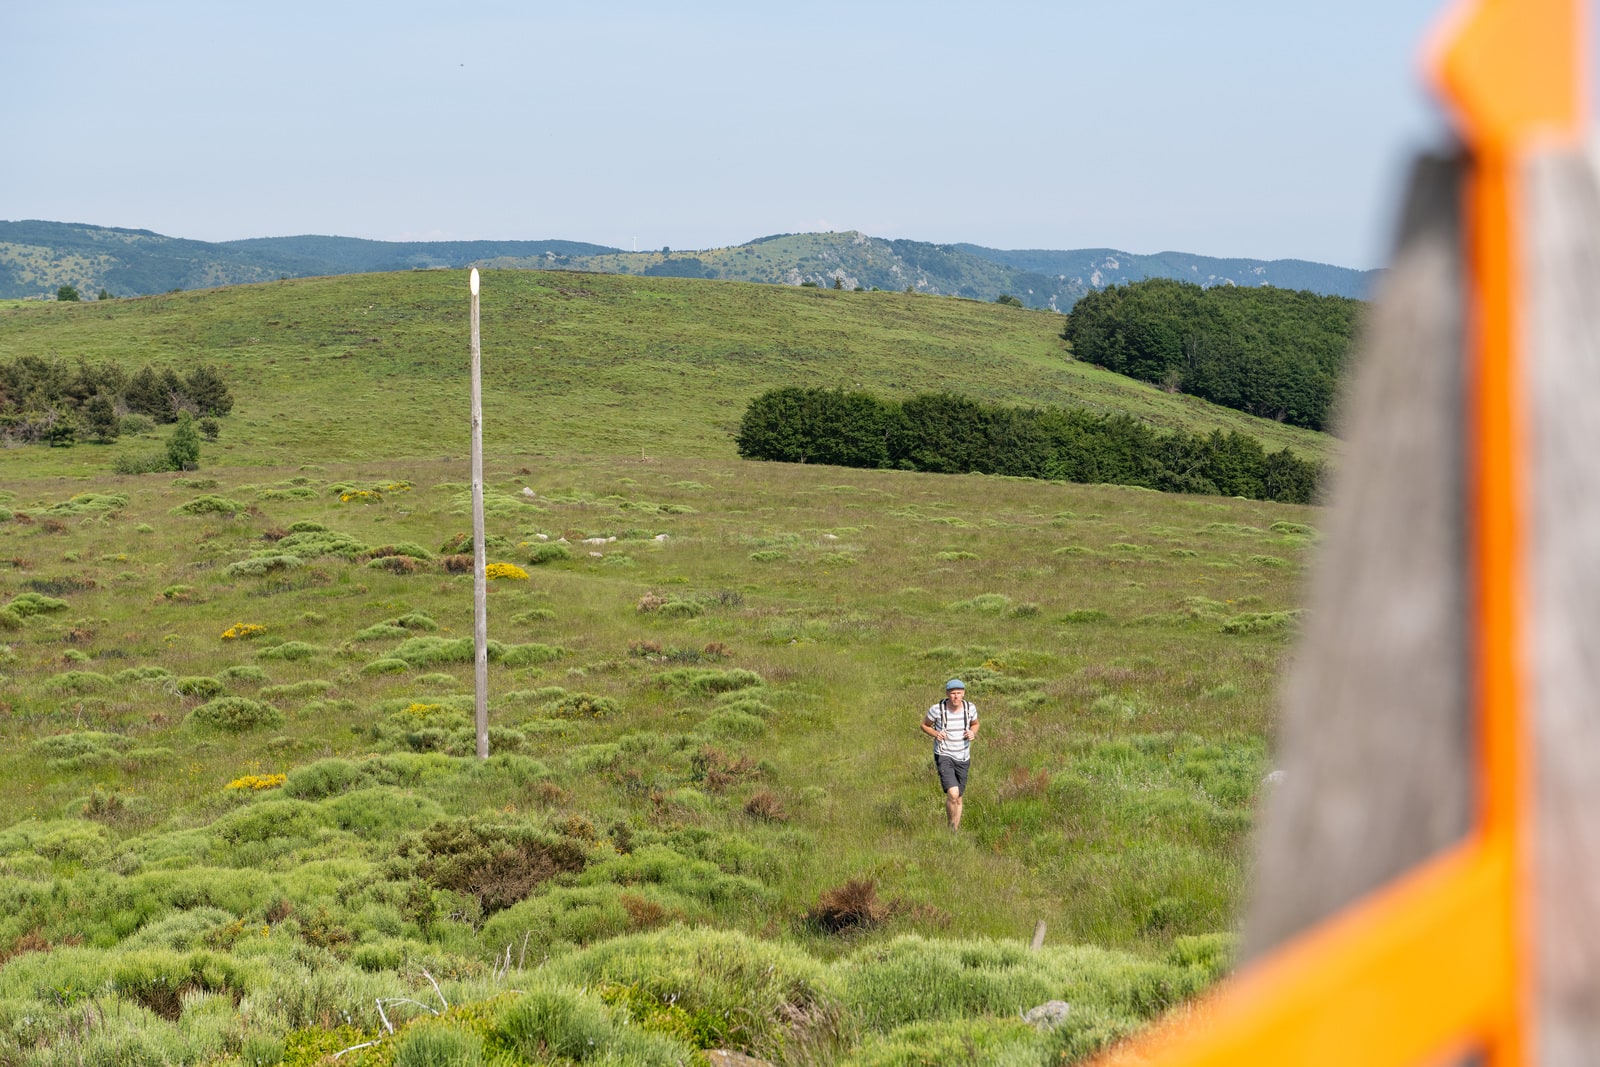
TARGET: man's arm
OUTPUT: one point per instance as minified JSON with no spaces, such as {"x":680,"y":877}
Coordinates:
{"x":932,"y":731}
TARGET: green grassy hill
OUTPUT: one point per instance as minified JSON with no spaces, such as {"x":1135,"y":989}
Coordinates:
{"x":710,"y":819}
{"x":374,"y":366}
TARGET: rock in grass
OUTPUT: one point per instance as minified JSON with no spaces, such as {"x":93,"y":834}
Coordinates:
{"x":1049,"y":1015}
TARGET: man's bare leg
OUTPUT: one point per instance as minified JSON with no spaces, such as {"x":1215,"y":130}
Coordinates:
{"x":952,"y":807}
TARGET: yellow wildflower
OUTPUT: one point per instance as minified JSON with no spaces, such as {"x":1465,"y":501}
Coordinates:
{"x":243,"y":630}
{"x":257,"y":781}
{"x":509,"y":571}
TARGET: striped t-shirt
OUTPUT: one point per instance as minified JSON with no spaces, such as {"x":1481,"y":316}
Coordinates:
{"x":954,"y":724}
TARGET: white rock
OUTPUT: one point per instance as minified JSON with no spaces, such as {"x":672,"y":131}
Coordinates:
{"x":542,"y":537}
{"x":610,"y":539}
{"x":660,"y":537}
{"x":830,"y":537}
{"x":597,"y":555}
{"x":562,"y":541}
{"x":594,"y":540}
{"x":1274,"y":777}
{"x":1049,"y":1014}
{"x":528,"y":492}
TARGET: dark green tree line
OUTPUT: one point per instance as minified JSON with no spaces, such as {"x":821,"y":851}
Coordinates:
{"x":60,"y":402}
{"x":1271,"y":352}
{"x":946,"y":433}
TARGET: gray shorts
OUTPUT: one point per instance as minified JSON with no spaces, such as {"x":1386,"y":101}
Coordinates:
{"x":952,"y":773}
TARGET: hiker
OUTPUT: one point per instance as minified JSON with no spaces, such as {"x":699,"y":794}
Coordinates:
{"x":952,"y":723}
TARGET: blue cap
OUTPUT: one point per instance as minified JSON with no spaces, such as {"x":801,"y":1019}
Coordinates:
{"x":954,"y":683}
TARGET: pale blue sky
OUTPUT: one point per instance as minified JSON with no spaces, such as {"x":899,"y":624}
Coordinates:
{"x":1266,"y":129}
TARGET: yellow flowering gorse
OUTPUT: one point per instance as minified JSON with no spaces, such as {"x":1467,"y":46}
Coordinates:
{"x":240,"y":631}
{"x":257,"y":781}
{"x":508,"y":571}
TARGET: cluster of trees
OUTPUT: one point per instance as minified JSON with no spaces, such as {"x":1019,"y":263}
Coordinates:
{"x":955,"y":434}
{"x":1271,"y":352}
{"x":59,"y":403}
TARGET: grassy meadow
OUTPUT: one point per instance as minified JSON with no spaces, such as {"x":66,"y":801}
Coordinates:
{"x":240,"y":821}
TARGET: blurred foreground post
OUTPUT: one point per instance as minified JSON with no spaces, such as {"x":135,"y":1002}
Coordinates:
{"x":1426,"y":889}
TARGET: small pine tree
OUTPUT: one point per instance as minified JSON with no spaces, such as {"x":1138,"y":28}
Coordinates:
{"x":838,"y":281}
{"x":100,"y":422}
{"x":183,"y":448}
{"x":103,"y":295}
{"x":148,"y":395}
{"x":68,"y":292}
{"x":207,"y":391}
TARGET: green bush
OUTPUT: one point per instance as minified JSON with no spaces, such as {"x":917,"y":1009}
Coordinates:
{"x":235,"y":714}
{"x":762,"y":997}
{"x":548,"y":552}
{"x":1261,"y":622}
{"x":433,"y":1044}
{"x":256,"y":566}
{"x":27,"y":604}
{"x":558,"y":1023}
{"x":290,"y":651}
{"x":200,"y":685}
{"x":211,"y":505}
{"x":80,"y":750}
{"x":704,"y":682}
{"x":78,"y":681}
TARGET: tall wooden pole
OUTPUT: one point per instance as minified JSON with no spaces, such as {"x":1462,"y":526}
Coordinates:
{"x":480,"y":562}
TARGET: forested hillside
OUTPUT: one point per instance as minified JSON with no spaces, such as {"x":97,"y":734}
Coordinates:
{"x":1274,"y":353}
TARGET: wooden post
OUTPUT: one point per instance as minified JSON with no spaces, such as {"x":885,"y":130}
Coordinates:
{"x":480,"y":562}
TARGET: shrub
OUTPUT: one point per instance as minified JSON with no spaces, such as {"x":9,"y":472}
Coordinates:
{"x":386,"y":665}
{"x":256,"y":782}
{"x":80,"y":750}
{"x":1261,"y":622}
{"x":235,"y":714}
{"x":559,"y":1023}
{"x":410,"y":549}
{"x":290,"y":650}
{"x":78,"y":681}
{"x":581,"y":706}
{"x":256,"y":566}
{"x":28,"y":604}
{"x":210,"y":505}
{"x":548,"y":552}
{"x":431,"y":1044}
{"x":706,"y":682}
{"x":765,"y":805}
{"x":198,"y":686}
{"x":505,"y":571}
{"x":497,"y":865}
{"x":394,"y":564}
{"x":243,"y":673}
{"x":734,"y":990}
{"x":381,"y":632}
{"x":1082,"y":615}
{"x":243,"y":631}
{"x":854,"y":905}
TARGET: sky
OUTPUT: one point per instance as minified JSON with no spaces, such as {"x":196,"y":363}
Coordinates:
{"x":1268,"y":130}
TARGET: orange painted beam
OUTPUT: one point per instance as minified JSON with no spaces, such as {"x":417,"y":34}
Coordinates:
{"x":1412,"y":974}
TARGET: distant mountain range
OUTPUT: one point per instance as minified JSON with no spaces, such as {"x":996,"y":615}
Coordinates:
{"x":36,"y":258}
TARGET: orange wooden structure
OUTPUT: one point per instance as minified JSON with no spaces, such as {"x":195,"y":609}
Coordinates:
{"x":1438,"y":964}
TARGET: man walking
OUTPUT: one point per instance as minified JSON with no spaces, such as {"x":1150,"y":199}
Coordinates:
{"x":952,"y":723}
